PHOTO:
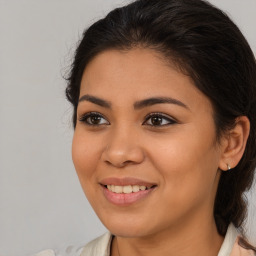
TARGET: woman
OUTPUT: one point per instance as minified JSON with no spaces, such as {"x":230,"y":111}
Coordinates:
{"x":164,"y":97}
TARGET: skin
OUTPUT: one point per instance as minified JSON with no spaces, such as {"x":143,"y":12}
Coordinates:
{"x":180,"y":156}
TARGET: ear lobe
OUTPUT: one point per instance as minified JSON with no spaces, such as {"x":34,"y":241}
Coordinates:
{"x":234,"y":144}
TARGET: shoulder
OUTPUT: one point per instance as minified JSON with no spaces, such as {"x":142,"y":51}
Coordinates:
{"x":72,"y":250}
{"x":234,"y":244}
{"x":45,"y":253}
{"x":99,"y":246}
{"x":239,"y":250}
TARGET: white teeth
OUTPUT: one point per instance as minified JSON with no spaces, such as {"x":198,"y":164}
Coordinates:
{"x":126,"y":189}
{"x":118,"y":189}
{"x":135,"y":188}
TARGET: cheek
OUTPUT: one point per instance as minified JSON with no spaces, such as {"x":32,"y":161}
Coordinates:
{"x":85,"y":156}
{"x":187,"y":164}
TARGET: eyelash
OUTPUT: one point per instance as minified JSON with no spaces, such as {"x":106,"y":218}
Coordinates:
{"x":86,"y":117}
{"x":162,"y":116}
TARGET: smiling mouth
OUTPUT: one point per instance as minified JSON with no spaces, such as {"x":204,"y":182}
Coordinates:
{"x":128,"y":189}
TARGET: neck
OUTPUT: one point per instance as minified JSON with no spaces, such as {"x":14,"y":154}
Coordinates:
{"x":189,"y":239}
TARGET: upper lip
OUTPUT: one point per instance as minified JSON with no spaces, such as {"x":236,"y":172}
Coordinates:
{"x":125,"y":181}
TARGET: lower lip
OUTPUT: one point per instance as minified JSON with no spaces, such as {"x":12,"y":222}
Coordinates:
{"x":123,"y":199}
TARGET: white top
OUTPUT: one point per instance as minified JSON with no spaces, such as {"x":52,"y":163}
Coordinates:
{"x":101,"y":246}
{"x":229,"y":241}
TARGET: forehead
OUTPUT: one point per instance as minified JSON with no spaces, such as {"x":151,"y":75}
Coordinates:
{"x":127,"y":76}
{"x":135,"y":65}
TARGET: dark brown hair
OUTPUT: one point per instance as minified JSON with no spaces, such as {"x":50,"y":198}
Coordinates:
{"x":206,"y":45}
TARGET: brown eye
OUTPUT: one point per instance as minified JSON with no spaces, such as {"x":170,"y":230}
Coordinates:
{"x":95,"y":119}
{"x":158,"y":120}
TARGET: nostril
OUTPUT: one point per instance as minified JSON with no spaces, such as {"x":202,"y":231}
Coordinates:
{"x":122,"y":154}
{"x":119,"y":164}
{"x":127,"y":162}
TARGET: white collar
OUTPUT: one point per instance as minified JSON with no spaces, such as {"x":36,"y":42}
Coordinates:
{"x":229,"y":241}
{"x":101,"y":245}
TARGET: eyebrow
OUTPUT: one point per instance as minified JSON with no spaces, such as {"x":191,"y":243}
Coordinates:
{"x":158,"y":100}
{"x":137,"y":105}
{"x":95,"y":100}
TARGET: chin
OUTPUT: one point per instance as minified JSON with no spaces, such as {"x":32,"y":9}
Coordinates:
{"x":128,"y":231}
{"x":128,"y":227}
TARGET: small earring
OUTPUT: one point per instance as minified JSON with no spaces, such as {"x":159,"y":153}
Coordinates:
{"x":229,"y":168}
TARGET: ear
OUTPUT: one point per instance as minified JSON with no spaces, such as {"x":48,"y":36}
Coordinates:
{"x":233,"y":144}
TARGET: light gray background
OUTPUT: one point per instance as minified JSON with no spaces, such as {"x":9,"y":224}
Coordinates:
{"x":41,"y":202}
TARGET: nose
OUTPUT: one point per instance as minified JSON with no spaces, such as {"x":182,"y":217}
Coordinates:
{"x":122,"y":149}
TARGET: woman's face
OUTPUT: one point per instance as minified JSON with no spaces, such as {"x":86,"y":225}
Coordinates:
{"x":143,"y":124}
